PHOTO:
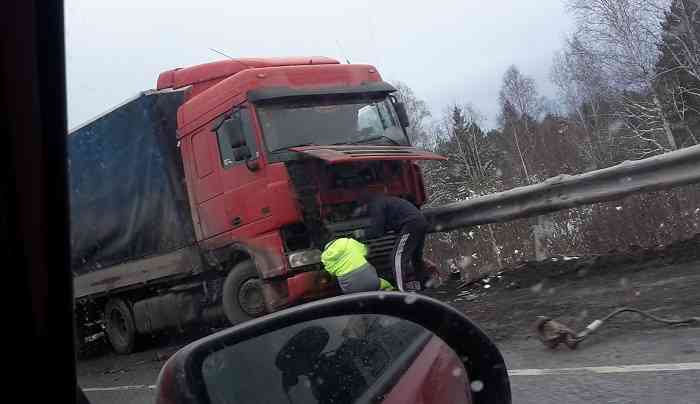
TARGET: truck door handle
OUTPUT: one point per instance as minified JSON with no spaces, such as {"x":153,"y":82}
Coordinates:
{"x":236,"y":221}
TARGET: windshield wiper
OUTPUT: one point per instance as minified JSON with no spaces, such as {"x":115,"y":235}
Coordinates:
{"x":369,"y":139}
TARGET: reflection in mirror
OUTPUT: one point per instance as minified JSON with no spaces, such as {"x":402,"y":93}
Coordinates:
{"x":346,"y":359}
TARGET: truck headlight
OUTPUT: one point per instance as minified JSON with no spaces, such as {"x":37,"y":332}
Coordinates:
{"x":303,"y":258}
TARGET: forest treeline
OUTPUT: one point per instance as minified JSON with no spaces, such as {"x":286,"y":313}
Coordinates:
{"x":628,"y":81}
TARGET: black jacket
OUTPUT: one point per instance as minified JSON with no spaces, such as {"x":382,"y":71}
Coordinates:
{"x":390,"y":213}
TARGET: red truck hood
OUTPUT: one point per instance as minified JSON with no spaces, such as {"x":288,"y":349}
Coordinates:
{"x":350,"y":153}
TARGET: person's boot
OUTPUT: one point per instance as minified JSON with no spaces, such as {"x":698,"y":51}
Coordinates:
{"x":432,"y":277}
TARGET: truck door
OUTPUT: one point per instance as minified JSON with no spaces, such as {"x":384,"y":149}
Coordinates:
{"x":245,"y":196}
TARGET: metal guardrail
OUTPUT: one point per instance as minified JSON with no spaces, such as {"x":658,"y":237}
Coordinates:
{"x":664,"y":171}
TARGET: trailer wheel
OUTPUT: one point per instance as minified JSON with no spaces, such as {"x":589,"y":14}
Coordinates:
{"x":243,"y":296}
{"x":119,"y":325}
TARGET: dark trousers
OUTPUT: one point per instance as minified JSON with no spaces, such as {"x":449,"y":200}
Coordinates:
{"x":407,"y":256}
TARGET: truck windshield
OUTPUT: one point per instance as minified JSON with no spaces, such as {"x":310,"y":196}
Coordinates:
{"x":326,"y":122}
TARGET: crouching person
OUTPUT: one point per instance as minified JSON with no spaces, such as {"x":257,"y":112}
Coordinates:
{"x":346,"y":259}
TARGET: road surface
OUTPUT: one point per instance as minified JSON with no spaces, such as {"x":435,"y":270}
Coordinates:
{"x":658,"y":366}
{"x":629,"y":361}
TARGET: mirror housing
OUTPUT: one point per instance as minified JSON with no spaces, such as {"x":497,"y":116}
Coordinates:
{"x":242,"y":153}
{"x":252,"y":165}
{"x":231,"y":128}
{"x":180,"y":379}
{"x":403,"y":115}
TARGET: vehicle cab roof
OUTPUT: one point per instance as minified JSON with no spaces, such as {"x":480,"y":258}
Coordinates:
{"x":227,"y":83}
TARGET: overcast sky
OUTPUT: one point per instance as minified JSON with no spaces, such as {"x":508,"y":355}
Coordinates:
{"x":446,"y":51}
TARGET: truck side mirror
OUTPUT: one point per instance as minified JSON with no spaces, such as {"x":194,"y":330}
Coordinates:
{"x":403,"y":115}
{"x":241,"y":153}
{"x":232,"y":129}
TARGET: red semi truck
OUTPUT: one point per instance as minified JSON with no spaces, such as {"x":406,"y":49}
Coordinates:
{"x":208,"y":197}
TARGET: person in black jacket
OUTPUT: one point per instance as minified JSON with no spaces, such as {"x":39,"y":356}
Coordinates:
{"x":397,"y":214}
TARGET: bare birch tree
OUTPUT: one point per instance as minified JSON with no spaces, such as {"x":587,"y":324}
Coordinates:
{"x":583,"y":92}
{"x":623,"y":37}
{"x":681,"y":38}
{"x":679,"y":69}
{"x":519,"y":102}
{"x":470,"y":170}
{"x":520,"y":105}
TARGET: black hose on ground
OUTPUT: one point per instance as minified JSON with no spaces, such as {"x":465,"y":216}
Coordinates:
{"x":553,"y":333}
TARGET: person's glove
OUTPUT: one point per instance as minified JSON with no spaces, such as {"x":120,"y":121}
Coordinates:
{"x":385,"y":285}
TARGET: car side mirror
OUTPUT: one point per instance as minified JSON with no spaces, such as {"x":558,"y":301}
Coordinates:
{"x":363,"y":347}
{"x":403,"y":115}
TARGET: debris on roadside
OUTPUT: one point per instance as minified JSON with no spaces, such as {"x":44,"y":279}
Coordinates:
{"x":552,"y":333}
{"x":115,"y":371}
{"x":468,"y":296}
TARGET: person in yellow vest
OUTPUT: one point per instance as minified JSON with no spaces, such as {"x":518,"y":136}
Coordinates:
{"x":346,"y":259}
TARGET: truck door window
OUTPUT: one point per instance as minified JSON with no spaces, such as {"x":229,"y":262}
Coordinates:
{"x":243,"y":123}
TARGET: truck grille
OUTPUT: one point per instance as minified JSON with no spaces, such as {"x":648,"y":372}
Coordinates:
{"x":380,"y":248}
{"x":380,"y":254}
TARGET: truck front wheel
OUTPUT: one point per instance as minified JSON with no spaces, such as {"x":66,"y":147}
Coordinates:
{"x":243,"y":296}
{"x":119,"y":326}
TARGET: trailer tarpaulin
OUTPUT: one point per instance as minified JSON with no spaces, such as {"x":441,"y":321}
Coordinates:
{"x":127,"y":186}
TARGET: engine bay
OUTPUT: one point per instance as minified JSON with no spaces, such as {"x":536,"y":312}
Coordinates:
{"x":329,"y":194}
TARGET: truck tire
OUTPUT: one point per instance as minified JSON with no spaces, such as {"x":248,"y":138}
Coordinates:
{"x":119,"y":326}
{"x":243,"y":297}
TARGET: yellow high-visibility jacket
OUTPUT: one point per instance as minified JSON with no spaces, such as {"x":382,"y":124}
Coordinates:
{"x":344,"y":255}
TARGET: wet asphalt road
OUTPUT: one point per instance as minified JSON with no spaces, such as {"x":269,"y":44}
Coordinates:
{"x":654,"y":387}
{"x":627,"y":385}
{"x":132,"y":381}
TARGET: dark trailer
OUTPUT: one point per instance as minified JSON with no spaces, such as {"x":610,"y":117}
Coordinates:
{"x":130,"y":214}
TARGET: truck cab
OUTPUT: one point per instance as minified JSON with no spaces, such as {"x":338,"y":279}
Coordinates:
{"x":275,"y":153}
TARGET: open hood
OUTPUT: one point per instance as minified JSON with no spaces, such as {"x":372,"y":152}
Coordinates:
{"x":362,"y":152}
